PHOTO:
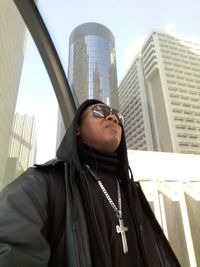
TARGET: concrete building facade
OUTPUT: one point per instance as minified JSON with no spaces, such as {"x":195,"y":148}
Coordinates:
{"x":163,"y":85}
{"x":171,"y":184}
{"x":12,"y":43}
{"x":22,"y":147}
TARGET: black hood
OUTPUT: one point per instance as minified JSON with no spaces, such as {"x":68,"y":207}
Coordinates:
{"x":68,"y":149}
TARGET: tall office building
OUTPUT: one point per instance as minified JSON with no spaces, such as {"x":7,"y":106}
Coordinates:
{"x":22,"y":147}
{"x":160,"y":96}
{"x":134,"y":106}
{"x":12,"y":43}
{"x":92,"y":64}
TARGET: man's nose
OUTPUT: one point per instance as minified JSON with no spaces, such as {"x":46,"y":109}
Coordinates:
{"x":112,"y":117}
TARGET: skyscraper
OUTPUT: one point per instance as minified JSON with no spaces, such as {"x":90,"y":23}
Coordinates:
{"x":160,"y":95}
{"x":22,"y":148}
{"x":134,"y":106}
{"x":92,"y":64}
{"x":12,"y":43}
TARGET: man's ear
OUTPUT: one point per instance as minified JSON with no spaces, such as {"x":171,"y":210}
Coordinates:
{"x":78,"y":132}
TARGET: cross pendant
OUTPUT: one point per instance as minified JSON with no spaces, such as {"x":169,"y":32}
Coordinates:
{"x":120,"y":229}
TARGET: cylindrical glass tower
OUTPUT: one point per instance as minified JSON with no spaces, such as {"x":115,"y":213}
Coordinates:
{"x":92,"y":64}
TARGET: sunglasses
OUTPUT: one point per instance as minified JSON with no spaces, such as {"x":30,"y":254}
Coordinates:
{"x":102,"y":111}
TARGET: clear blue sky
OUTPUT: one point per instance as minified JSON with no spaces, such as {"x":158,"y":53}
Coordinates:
{"x":128,"y":20}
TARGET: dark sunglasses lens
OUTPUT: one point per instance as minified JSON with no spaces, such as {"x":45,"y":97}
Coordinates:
{"x":103,"y":111}
{"x":119,"y":116}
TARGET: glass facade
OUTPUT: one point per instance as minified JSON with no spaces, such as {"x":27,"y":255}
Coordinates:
{"x":92,"y":64}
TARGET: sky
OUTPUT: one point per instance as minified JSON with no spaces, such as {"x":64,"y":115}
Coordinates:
{"x":130,"y":21}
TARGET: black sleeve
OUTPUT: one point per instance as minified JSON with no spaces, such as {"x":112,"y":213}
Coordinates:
{"x":23,"y":222}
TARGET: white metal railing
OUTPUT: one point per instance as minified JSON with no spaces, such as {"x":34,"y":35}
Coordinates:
{"x":168,"y":178}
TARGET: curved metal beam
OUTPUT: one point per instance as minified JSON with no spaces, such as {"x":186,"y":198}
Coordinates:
{"x":40,"y":34}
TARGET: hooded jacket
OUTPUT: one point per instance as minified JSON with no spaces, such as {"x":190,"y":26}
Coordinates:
{"x":48,"y":217}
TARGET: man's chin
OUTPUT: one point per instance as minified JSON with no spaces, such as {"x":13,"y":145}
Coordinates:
{"x":110,"y":148}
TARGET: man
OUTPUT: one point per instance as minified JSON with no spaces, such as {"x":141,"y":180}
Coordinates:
{"x":82,"y":209}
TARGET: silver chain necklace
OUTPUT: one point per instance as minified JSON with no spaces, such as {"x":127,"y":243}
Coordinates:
{"x":120,"y":229}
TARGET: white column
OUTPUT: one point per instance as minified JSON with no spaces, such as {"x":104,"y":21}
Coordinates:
{"x":186,"y":227}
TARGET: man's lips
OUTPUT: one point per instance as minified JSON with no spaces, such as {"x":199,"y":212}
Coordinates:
{"x":112,"y":125}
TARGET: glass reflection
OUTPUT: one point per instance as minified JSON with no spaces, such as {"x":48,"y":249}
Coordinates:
{"x":92,"y":64}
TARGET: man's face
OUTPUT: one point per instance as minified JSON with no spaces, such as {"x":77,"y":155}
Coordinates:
{"x":103,"y":134}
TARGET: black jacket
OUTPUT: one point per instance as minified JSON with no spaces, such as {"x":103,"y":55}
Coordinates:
{"x":45,"y":213}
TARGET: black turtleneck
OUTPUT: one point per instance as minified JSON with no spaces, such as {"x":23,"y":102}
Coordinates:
{"x":97,"y":160}
{"x":107,"y":169}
